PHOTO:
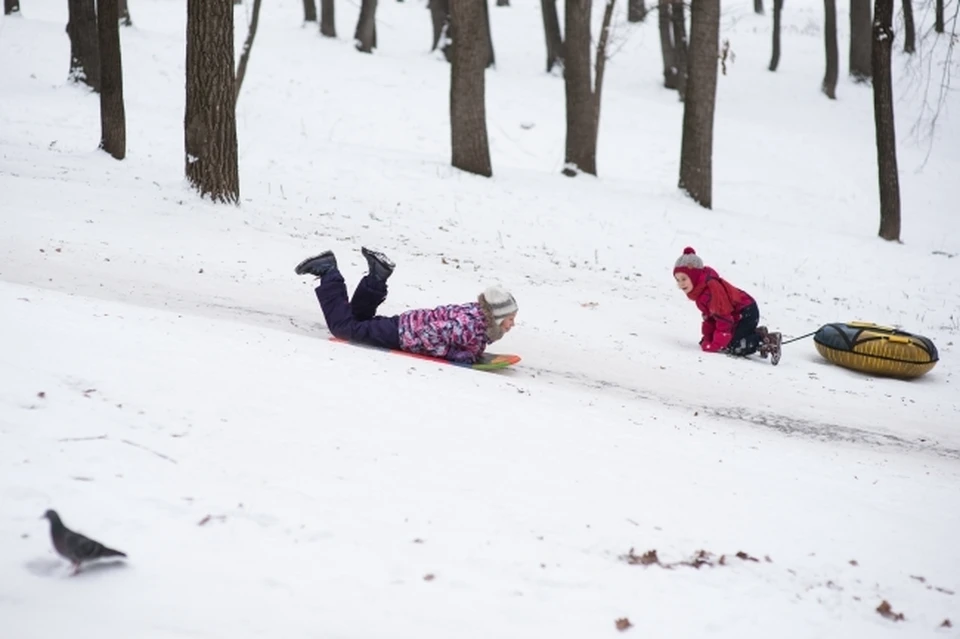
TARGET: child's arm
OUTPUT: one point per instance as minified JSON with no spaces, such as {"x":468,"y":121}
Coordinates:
{"x":721,"y":336}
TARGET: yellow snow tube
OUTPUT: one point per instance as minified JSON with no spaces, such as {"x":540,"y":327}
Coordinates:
{"x":877,"y":350}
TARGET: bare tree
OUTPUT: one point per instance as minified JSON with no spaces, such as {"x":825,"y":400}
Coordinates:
{"x":678,"y":19}
{"x":777,"y":14}
{"x":829,"y":86}
{"x":696,"y":153}
{"x":909,"y":28}
{"x":210,"y":120}
{"x":860,"y":36}
{"x":328,"y":25}
{"x":667,"y":47}
{"x":468,"y":116}
{"x":113,"y":121}
{"x":486,"y":15}
{"x":11,"y":7}
{"x":84,"y":52}
{"x":636,"y":10}
{"x":124,"y":11}
{"x":440,"y":17}
{"x":884,"y":122}
{"x":309,"y":11}
{"x":365,"y":36}
{"x":551,"y":29}
{"x":582,"y":96}
{"x":247,"y":47}
{"x":938,"y":16}
{"x":758,"y":6}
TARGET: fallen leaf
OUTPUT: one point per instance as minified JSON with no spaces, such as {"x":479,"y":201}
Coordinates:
{"x":944,"y":590}
{"x":853,"y":562}
{"x":428,"y":577}
{"x":886,"y":611}
{"x":744,"y":556}
{"x":204,"y":520}
{"x":623,"y":624}
{"x":647,"y":558}
{"x":418,"y":541}
{"x":767,"y":559}
{"x":918,"y":578}
{"x":41,"y":394}
{"x":946,"y":624}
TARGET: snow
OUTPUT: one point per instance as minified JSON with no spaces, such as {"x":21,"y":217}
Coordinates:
{"x":166,"y":383}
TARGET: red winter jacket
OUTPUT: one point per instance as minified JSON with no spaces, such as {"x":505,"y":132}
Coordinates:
{"x":721,"y":304}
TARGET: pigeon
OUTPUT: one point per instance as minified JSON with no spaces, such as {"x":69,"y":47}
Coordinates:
{"x":75,"y":547}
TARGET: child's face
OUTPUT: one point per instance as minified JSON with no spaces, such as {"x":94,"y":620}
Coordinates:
{"x":683,"y":282}
{"x":507,"y":322}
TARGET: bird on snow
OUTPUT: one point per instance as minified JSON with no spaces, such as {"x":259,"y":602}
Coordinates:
{"x":75,"y":547}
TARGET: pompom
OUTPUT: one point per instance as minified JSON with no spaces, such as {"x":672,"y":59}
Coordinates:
{"x":689,"y":251}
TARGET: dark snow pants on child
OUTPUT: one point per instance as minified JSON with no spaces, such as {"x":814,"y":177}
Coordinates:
{"x":746,"y":340}
{"x":356,"y":320}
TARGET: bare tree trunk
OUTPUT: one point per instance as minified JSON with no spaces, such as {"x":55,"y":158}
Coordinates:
{"x":84,"y":52}
{"x":696,"y":153}
{"x":328,"y":26}
{"x":860,"y":36}
{"x":309,"y":11}
{"x":883,"y":119}
{"x":365,"y":36}
{"x":829,"y":86}
{"x":551,"y":29}
{"x":938,"y":16}
{"x":667,"y":49}
{"x":247,"y":47}
{"x":11,"y":7}
{"x":777,"y":14}
{"x":636,"y":11}
{"x":601,"y":65}
{"x":581,"y":144}
{"x":909,"y":28}
{"x":468,"y":116}
{"x":440,"y":17}
{"x":113,"y":120}
{"x":491,"y":61}
{"x":758,"y":6}
{"x":679,"y":46}
{"x":124,"y":12}
{"x":210,"y":122}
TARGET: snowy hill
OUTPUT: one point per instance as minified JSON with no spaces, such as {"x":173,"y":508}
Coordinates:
{"x":167,"y":384}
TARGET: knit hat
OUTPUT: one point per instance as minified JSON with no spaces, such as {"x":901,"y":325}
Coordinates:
{"x":690,"y":264}
{"x":500,"y":301}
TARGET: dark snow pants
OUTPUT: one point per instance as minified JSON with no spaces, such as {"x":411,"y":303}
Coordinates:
{"x":746,"y":340}
{"x":356,"y":320}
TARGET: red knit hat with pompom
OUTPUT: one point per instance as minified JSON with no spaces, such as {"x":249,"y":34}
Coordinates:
{"x":690,"y":264}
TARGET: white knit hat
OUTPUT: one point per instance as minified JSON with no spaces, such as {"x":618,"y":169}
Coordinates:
{"x":500,"y":301}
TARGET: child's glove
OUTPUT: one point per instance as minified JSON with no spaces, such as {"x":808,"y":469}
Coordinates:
{"x":720,"y":341}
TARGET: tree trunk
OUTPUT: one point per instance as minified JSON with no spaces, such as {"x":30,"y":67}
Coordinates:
{"x":680,"y":46}
{"x":113,"y":121}
{"x":667,"y":49}
{"x":309,"y":11}
{"x":636,"y":11}
{"x":124,"y":12}
{"x":84,"y":52}
{"x":883,"y":119}
{"x":247,"y":47}
{"x":696,"y":154}
{"x":860,"y":35}
{"x":503,"y":3}
{"x":11,"y":7}
{"x":328,"y":26}
{"x":938,"y":16}
{"x":210,"y":122}
{"x":491,"y":61}
{"x":365,"y":36}
{"x":601,"y":65}
{"x":829,"y":86}
{"x":468,"y":117}
{"x":758,"y":6}
{"x":440,"y":17}
{"x":909,"y":28}
{"x":581,"y":144}
{"x":777,"y":14}
{"x":551,"y":29}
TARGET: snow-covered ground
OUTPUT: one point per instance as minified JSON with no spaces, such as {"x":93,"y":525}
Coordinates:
{"x":166,"y":383}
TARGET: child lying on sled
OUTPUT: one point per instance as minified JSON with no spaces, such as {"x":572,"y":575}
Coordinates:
{"x":457,"y":332}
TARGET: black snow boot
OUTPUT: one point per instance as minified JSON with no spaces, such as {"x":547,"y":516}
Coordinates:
{"x":380,"y":265}
{"x":771,"y":346}
{"x":317,"y":265}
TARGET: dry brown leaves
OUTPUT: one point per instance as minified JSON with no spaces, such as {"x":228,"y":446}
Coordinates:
{"x":886,"y":611}
{"x":623,"y":624}
{"x":699,"y":559}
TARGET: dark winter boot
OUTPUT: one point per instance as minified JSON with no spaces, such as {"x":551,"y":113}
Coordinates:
{"x":763,"y":332}
{"x":380,"y":265}
{"x":317,"y":265}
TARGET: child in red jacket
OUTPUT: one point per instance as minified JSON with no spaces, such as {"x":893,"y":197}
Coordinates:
{"x":730,"y":316}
